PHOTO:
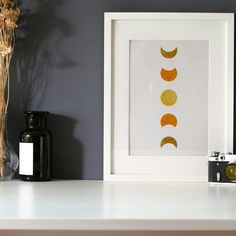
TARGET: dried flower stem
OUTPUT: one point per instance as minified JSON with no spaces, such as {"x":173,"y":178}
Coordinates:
{"x":9,"y":13}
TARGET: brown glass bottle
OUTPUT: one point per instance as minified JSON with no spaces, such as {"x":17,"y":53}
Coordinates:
{"x":35,"y":148}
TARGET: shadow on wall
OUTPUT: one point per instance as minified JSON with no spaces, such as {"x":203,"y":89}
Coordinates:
{"x":65,"y":163}
{"x":39,"y":37}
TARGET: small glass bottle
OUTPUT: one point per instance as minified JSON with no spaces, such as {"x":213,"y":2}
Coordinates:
{"x":35,"y":148}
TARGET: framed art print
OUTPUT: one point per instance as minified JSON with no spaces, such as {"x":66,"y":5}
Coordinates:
{"x":168,"y":94}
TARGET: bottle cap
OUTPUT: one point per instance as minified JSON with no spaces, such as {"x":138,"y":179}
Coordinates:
{"x":36,"y":113}
{"x":215,"y":154}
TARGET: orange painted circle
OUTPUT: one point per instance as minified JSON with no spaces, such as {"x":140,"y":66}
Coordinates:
{"x":168,"y":119}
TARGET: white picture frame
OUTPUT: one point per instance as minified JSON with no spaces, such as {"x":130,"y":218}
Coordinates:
{"x":123,"y":28}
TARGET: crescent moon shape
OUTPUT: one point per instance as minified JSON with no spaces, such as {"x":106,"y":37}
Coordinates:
{"x":168,"y":119}
{"x":168,"y":97}
{"x":169,"y":140}
{"x":168,"y":54}
{"x":168,"y":75}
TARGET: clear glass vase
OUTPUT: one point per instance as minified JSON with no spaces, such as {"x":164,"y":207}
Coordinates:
{"x":11,"y":163}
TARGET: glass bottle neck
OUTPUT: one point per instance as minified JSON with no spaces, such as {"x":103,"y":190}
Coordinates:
{"x":36,"y":122}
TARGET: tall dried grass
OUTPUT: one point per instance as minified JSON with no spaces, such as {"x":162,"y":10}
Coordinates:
{"x":9,"y":13}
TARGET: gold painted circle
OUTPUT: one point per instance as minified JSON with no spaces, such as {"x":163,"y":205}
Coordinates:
{"x":168,"y":97}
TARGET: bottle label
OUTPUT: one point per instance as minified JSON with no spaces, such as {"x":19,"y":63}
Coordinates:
{"x":26,"y":158}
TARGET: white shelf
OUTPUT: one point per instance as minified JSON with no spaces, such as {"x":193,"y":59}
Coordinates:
{"x":97,"y":205}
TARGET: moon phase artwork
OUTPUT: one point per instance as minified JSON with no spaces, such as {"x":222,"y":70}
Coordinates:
{"x":168,"y":54}
{"x":168,"y":75}
{"x":168,"y":97}
{"x":169,"y":140}
{"x":168,"y":119}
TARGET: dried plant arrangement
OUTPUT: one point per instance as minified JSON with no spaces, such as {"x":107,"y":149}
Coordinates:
{"x":9,"y":13}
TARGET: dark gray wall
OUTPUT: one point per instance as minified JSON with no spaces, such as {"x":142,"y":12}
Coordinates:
{"x":58,"y":66}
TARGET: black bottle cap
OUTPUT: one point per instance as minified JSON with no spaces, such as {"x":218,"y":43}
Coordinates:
{"x":36,"y":119}
{"x":36,"y":113}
